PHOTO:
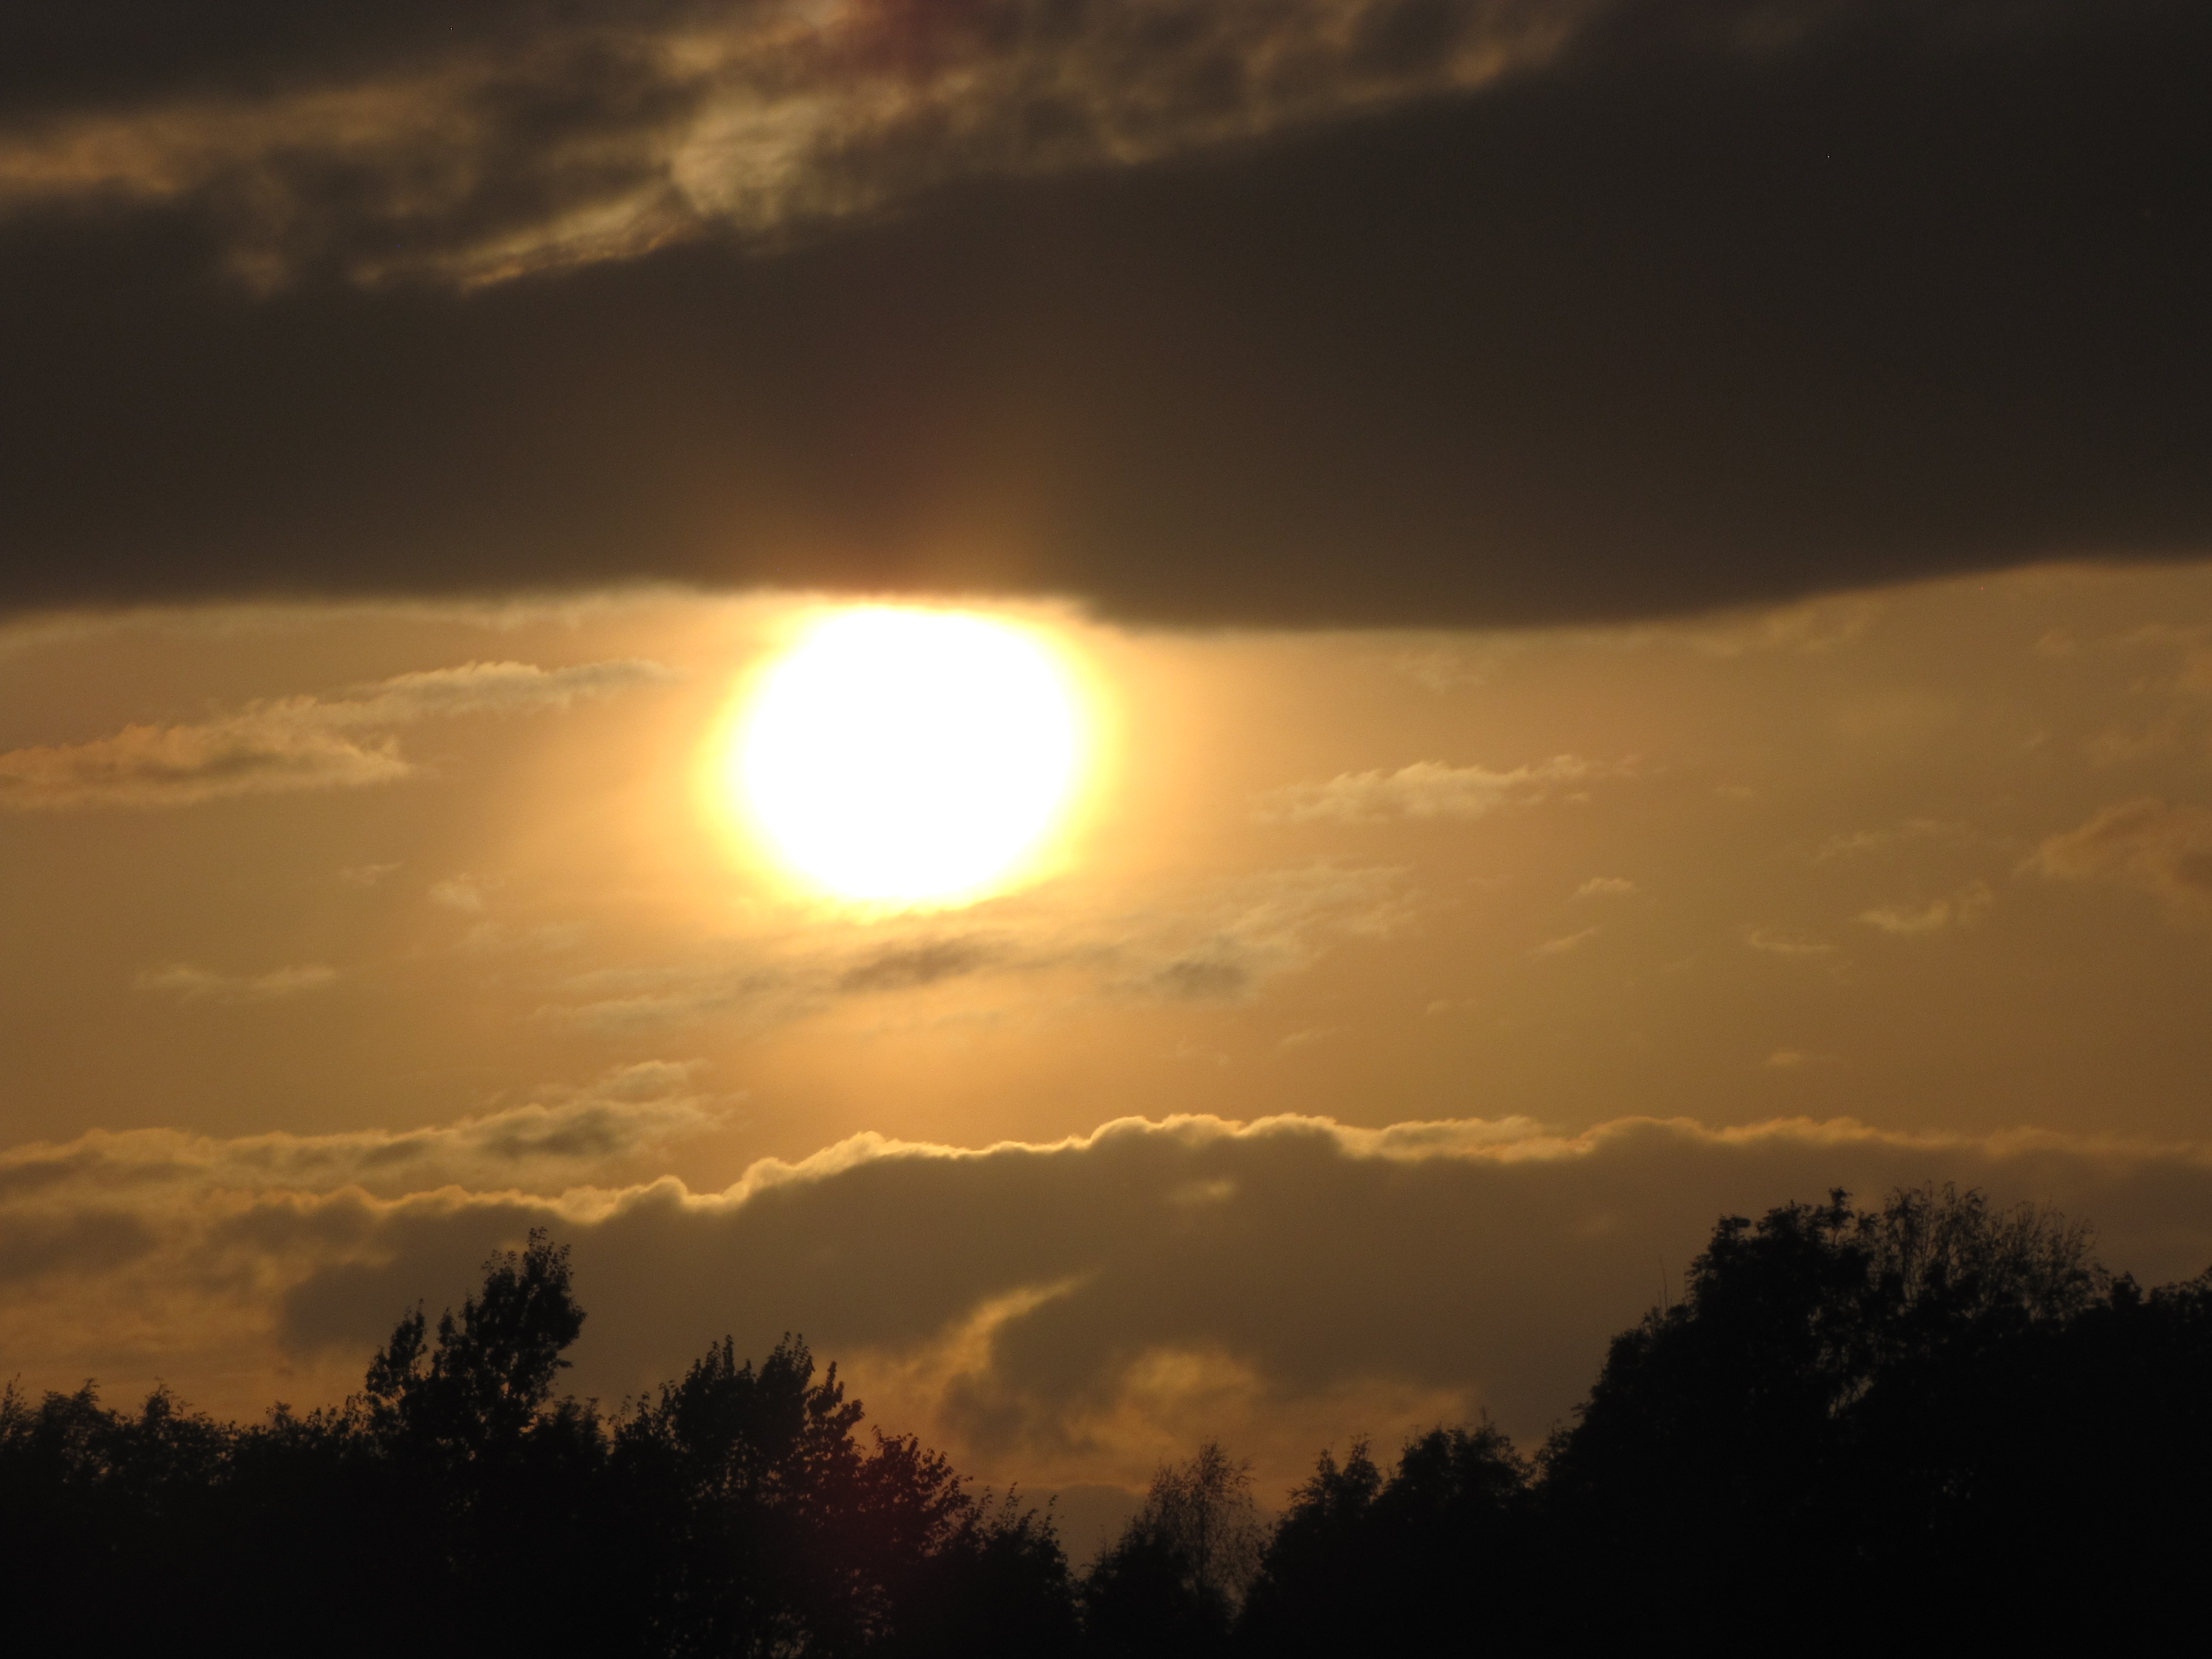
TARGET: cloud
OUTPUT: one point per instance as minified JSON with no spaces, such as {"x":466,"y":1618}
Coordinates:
{"x":541,"y":1145}
{"x":1058,"y":1312}
{"x":462,"y":893}
{"x":1605,"y":887}
{"x":1427,"y":789}
{"x":486,"y":150}
{"x":291,"y":744}
{"x":1252,"y":931}
{"x":190,"y":984}
{"x":1959,"y":909}
{"x":2157,"y":847}
{"x":1223,"y":943}
{"x":1560,"y":947}
{"x":1247,"y":312}
{"x":907,"y":967}
{"x":1778,"y":944}
{"x":1858,"y":843}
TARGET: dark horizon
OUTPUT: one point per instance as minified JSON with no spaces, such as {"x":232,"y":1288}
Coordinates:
{"x":1864,"y":1419}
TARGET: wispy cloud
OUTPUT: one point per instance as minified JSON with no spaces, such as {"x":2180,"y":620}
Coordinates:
{"x":483,"y":153}
{"x":1605,"y":887}
{"x":1958,"y":909}
{"x":1430,"y":789}
{"x":190,"y":984}
{"x":1858,"y":843}
{"x":1775,"y":942}
{"x":292,"y":744}
{"x":1223,"y":943}
{"x":2154,"y":845}
{"x":1560,"y":947}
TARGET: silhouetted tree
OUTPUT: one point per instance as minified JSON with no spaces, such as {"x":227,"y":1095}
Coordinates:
{"x":1826,"y":1418}
{"x":1932,"y":1417}
{"x":1173,"y":1582}
{"x":771,"y":1528}
{"x":1401,"y":1565}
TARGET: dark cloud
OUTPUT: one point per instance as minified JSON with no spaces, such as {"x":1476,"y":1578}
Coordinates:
{"x":1058,"y":1308}
{"x":85,"y":1241}
{"x":1484,"y":1260}
{"x":1675,"y":304}
{"x":911,"y":966}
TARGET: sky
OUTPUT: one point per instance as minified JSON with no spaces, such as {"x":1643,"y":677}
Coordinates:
{"x":1637,"y":579}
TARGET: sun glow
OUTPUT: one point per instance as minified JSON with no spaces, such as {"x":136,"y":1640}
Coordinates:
{"x":908,"y":755}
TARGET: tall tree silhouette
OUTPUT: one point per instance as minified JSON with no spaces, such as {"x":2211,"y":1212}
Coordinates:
{"x":1173,"y":1582}
{"x":480,"y":1390}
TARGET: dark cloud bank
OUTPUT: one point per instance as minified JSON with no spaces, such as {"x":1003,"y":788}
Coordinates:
{"x":1326,"y":313}
{"x":1486,"y":1258}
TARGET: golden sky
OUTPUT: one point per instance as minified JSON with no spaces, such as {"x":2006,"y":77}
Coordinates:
{"x":1393,"y":1015}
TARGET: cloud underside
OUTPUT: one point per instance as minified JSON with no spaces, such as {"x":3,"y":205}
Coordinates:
{"x":1320,"y":311}
{"x":1067,"y":1309}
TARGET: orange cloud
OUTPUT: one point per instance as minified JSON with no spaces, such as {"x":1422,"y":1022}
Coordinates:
{"x":2154,"y":845}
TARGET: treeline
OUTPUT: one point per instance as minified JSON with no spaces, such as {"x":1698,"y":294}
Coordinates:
{"x":1928,"y":1424}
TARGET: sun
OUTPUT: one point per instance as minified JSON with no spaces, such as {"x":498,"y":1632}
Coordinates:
{"x":906,"y":756}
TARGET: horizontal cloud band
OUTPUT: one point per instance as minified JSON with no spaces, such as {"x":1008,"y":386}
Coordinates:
{"x":1319,"y":312}
{"x":1062,"y":1311}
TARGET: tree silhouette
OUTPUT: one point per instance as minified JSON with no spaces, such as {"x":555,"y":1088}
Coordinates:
{"x":1399,"y":1564}
{"x":1173,"y":1582}
{"x":1933,"y":1418}
{"x":1832,"y":1411}
{"x":482,"y":1389}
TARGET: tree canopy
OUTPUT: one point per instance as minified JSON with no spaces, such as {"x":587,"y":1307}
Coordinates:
{"x":1931,"y":1415}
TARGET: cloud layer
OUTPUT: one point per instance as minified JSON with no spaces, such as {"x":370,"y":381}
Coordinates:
{"x":1306,"y":311}
{"x":1063,"y":1311}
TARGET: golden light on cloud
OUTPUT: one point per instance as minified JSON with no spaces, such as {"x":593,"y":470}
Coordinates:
{"x":906,"y":756}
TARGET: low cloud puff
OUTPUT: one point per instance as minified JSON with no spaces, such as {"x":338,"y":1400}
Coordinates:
{"x":291,"y":744}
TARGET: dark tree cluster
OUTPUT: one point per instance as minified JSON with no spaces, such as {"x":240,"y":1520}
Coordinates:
{"x":1932,"y":1424}
{"x":456,"y":1505}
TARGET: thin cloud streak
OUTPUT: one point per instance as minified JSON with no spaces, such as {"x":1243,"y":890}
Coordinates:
{"x":291,"y":744}
{"x":1430,"y":789}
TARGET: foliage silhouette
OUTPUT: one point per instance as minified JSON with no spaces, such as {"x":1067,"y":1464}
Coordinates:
{"x":1362,"y":1562}
{"x":1173,"y":1582}
{"x":1931,"y":1417}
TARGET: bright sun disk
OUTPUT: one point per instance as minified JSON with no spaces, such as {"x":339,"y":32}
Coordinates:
{"x":899,"y":756}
